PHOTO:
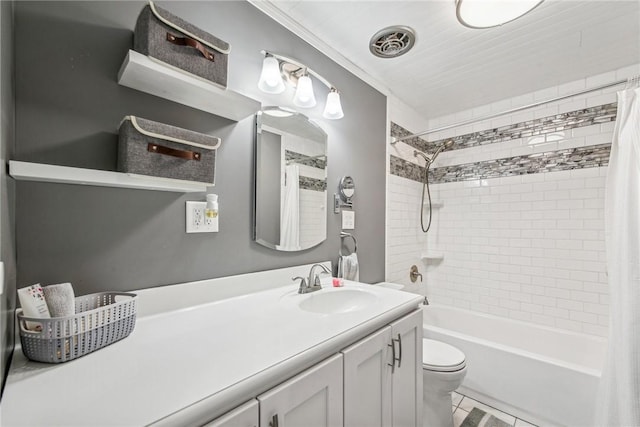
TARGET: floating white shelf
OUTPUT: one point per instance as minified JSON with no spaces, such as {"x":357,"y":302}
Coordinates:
{"x":436,"y":204}
{"x":428,"y":256}
{"x":152,"y":76}
{"x":25,"y":171}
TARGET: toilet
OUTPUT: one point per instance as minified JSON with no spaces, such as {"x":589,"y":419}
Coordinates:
{"x":443,"y":369}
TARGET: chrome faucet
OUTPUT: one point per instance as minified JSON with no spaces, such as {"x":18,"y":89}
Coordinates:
{"x":314,"y":279}
{"x":311,"y":284}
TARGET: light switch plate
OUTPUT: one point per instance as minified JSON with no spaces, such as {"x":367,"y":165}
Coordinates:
{"x":196,"y":220}
{"x":348,"y":220}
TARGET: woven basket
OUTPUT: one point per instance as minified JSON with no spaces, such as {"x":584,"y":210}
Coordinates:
{"x":101,"y":319}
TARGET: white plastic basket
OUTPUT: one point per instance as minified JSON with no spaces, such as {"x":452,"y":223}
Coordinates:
{"x":101,"y":319}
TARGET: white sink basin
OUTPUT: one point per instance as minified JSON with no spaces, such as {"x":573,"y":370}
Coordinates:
{"x":333,"y":301}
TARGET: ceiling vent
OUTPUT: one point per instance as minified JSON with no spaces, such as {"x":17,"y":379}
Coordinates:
{"x":392,"y":42}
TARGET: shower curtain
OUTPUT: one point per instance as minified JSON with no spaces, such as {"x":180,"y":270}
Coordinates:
{"x":290,"y":213}
{"x":619,"y":394}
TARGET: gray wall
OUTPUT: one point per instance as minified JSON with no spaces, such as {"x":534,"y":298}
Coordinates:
{"x":7,"y":188}
{"x":68,"y":106}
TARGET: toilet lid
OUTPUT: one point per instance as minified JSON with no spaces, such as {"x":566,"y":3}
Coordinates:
{"x":439,"y":356}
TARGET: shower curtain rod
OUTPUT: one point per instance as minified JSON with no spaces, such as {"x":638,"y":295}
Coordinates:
{"x":513,"y":110}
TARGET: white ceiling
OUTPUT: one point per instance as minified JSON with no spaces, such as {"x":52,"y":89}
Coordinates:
{"x":453,"y":68}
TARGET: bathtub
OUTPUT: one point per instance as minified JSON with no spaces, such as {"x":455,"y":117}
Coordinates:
{"x":543,"y":375}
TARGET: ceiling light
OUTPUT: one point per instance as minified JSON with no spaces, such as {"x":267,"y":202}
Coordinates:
{"x":276,"y":69}
{"x":492,"y":13}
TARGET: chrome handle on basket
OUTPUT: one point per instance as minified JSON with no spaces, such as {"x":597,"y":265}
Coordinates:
{"x":274,"y":421}
{"x":393,"y":357}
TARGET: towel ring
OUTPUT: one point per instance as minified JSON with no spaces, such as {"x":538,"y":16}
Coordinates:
{"x":355,"y":242}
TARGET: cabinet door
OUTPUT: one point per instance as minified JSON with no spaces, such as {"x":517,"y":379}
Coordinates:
{"x":406,"y":387}
{"x":310,"y":399}
{"x":243,"y":416}
{"x":367,"y":381}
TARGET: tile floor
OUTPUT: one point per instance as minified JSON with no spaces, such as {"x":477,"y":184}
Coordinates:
{"x":462,"y":405}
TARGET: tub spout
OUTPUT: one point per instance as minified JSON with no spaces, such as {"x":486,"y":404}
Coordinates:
{"x":426,"y":301}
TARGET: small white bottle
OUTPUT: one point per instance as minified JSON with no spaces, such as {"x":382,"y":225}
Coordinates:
{"x":33,"y":304}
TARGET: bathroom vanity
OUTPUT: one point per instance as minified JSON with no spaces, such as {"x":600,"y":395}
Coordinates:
{"x":241,"y":350}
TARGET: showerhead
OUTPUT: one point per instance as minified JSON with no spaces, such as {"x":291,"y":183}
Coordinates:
{"x":445,"y":146}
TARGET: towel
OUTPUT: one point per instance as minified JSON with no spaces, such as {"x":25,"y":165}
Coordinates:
{"x":60,"y":299}
{"x":348,"y":267}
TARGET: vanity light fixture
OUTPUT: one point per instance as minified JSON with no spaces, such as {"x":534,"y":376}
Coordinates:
{"x":276,"y":69}
{"x":492,"y":13}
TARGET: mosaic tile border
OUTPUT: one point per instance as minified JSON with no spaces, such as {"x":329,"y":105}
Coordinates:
{"x":542,"y":126}
{"x":303,"y":159}
{"x":313,"y":184}
{"x":576,"y":158}
{"x":561,"y":160}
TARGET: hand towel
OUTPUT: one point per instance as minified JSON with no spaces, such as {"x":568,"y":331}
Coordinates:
{"x":60,"y":299}
{"x":348,"y":267}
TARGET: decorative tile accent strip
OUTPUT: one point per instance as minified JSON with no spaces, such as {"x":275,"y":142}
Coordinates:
{"x":398,"y":131}
{"x":312,"y":184}
{"x":319,"y":162}
{"x":402,"y":168}
{"x":575,"y":158}
{"x":556,"y":123}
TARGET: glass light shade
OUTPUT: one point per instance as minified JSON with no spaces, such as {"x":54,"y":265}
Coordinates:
{"x":492,"y":13}
{"x":270,"y":79}
{"x":333,"y":108}
{"x":304,"y":93}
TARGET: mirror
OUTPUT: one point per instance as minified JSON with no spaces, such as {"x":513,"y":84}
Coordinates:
{"x":290,"y":181}
{"x":347,"y":188}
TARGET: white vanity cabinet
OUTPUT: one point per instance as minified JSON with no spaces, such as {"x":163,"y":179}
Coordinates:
{"x":367,"y":381}
{"x":383,"y":376}
{"x":311,"y":399}
{"x":243,"y":416}
{"x":406,"y":380}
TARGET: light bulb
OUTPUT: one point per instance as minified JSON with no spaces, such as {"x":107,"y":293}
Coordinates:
{"x":333,"y":108}
{"x":304,"y":94}
{"x":492,"y":13}
{"x":211,"y":210}
{"x":270,"y":79}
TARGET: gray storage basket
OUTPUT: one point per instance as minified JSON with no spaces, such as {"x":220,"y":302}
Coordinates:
{"x":151,"y":148}
{"x":170,"y":39}
{"x":101,"y":319}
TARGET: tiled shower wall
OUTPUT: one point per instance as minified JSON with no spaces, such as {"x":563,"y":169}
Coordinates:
{"x":518,"y":228}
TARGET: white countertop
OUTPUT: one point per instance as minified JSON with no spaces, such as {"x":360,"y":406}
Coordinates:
{"x":207,"y":358}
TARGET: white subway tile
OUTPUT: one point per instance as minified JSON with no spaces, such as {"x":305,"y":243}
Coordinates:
{"x":598,"y":330}
{"x":597,"y":139}
{"x":605,"y":98}
{"x":628,"y":72}
{"x":601,"y":79}
{"x":527,"y":247}
{"x":585,"y":131}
